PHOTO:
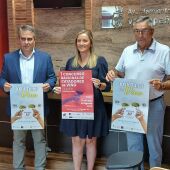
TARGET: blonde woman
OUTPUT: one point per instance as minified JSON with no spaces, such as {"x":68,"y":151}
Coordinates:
{"x":84,"y":133}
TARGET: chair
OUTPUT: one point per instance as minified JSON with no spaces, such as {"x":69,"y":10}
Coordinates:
{"x":125,"y":160}
{"x":158,"y":168}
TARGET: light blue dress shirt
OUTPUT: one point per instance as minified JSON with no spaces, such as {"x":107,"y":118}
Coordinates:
{"x":27,"y":67}
{"x":153,"y":63}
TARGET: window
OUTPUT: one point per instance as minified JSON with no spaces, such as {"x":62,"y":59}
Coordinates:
{"x":57,"y":3}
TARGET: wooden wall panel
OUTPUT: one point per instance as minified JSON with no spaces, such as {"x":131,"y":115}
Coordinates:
{"x":3,"y":33}
{"x":56,"y":31}
{"x":19,"y":12}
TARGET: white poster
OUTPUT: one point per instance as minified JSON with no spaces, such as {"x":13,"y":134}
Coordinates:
{"x":27,"y":106}
{"x":130,"y":105}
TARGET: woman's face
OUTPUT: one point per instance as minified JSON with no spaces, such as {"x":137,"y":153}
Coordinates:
{"x":83,"y":43}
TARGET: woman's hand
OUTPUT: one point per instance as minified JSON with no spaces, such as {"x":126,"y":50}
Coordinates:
{"x":96,"y":82}
{"x":57,"y":90}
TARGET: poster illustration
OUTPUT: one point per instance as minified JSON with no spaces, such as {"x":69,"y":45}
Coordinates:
{"x":77,"y":94}
{"x":112,"y":17}
{"x":130,"y":105}
{"x":27,"y":106}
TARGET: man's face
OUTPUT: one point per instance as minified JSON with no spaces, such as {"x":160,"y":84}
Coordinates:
{"x":27,"y":42}
{"x":143,"y":34}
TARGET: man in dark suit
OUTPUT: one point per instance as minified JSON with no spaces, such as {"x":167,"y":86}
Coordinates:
{"x":28,"y":65}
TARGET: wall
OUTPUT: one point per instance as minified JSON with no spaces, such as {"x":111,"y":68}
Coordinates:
{"x":111,"y":42}
{"x":56,"y":35}
{"x":108,"y":42}
{"x":19,"y":12}
{"x":57,"y":28}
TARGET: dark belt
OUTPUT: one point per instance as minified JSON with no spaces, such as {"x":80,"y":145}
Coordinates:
{"x":156,"y":98}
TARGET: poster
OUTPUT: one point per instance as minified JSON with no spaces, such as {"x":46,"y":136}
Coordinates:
{"x":130,"y":105}
{"x":77,"y":94}
{"x":27,"y":106}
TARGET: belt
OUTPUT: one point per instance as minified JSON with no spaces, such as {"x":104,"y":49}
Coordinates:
{"x":156,"y":98}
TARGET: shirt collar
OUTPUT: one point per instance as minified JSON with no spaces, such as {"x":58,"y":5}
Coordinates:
{"x":24,"y":57}
{"x":152,"y":47}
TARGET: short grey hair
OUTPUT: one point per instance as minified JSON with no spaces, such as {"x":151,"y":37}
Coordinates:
{"x":26,"y":28}
{"x":146,"y":19}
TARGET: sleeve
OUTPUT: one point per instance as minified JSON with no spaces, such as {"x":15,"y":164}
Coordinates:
{"x":120,"y":65}
{"x":167,"y":62}
{"x":103,"y":69}
{"x":3,"y":74}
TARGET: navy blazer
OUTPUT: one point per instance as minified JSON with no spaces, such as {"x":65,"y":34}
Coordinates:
{"x":43,"y":72}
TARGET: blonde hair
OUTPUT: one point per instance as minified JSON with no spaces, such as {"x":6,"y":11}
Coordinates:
{"x":92,"y":58}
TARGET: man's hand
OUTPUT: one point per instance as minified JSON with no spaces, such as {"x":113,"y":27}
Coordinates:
{"x":111,"y":75}
{"x":46,"y":87}
{"x":156,"y":83}
{"x":7,"y":87}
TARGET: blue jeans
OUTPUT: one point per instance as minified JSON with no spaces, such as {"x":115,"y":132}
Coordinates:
{"x":19,"y":149}
{"x":154,"y":134}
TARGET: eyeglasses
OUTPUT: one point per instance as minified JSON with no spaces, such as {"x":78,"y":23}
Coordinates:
{"x":142,"y":31}
{"x":26,"y":39}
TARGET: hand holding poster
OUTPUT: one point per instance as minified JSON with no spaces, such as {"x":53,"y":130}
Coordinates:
{"x":130,"y":105}
{"x":77,"y":94}
{"x":27,"y":106}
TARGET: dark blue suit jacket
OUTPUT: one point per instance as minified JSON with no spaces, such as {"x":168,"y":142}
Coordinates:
{"x":43,"y":72}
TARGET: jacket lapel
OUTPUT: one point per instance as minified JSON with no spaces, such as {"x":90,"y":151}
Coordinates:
{"x":17,"y":66}
{"x":36,"y":65}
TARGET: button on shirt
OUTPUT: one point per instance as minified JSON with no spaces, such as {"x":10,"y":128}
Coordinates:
{"x":27,"y":67}
{"x":153,"y":63}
